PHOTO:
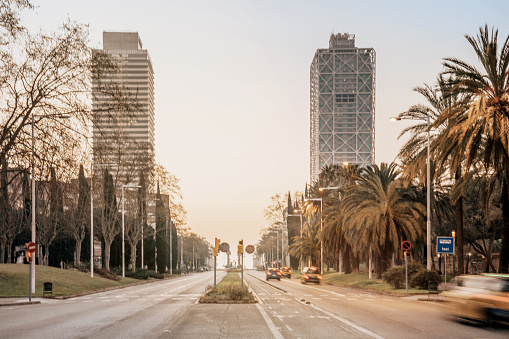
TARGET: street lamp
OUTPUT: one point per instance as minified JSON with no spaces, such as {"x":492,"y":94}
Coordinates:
{"x":321,"y":225}
{"x":428,"y":189}
{"x":123,"y":236}
{"x":276,"y":230}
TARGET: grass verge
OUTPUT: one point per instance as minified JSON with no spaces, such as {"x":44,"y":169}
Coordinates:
{"x":228,"y":290}
{"x":362,"y":281}
{"x":14,"y":281}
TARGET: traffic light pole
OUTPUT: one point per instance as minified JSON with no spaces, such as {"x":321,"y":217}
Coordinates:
{"x":30,"y":283}
{"x":215,"y":271}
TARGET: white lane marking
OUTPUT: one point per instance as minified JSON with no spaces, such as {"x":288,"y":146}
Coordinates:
{"x":320,"y":289}
{"x":346,"y":329}
{"x":351,"y":298}
{"x":349,"y":323}
{"x":268,"y":321}
{"x":289,"y":328}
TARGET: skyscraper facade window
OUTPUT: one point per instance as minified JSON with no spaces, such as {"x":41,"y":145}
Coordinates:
{"x":342,"y":80}
{"x":123,"y":127}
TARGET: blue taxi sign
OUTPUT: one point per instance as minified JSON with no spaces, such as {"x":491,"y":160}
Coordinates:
{"x":445,"y":245}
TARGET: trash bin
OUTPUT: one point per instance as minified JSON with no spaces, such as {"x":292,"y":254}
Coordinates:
{"x":432,"y":288}
{"x":48,"y":288}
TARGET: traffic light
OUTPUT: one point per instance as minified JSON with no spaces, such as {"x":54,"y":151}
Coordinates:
{"x":240,"y":249}
{"x":216,"y":246}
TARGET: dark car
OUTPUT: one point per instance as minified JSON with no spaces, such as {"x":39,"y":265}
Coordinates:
{"x":273,"y":273}
{"x":286,"y":272}
{"x":311,"y":275}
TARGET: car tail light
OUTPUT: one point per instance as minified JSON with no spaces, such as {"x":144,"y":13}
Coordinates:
{"x":305,"y":277}
{"x":278,"y":273}
{"x":319,"y":277}
{"x":268,"y":273}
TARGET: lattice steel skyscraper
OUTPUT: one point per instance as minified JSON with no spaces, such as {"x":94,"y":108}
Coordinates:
{"x":119,"y":138}
{"x":342,"y":104}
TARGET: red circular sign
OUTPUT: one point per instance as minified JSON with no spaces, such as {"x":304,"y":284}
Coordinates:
{"x":249,"y":249}
{"x":406,"y":245}
{"x":31,"y":247}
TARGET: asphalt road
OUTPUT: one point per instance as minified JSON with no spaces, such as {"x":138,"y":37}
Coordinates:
{"x":324,"y":311}
{"x":143,"y":311}
{"x":287,"y":309}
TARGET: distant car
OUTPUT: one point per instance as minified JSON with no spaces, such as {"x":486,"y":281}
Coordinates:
{"x":286,"y":272}
{"x":310,"y":275}
{"x":273,"y":273}
{"x":479,"y":298}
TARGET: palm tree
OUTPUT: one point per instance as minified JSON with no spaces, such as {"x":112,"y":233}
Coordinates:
{"x":380,"y":211}
{"x":444,"y":158}
{"x":308,"y":245}
{"x":483,"y":131}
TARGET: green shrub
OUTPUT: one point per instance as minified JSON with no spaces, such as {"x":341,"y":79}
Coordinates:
{"x":83,"y":267}
{"x":144,"y":274}
{"x":422,"y":277}
{"x":236,"y":292}
{"x":413,"y":269}
{"x":395,"y":276}
{"x":106,"y":274}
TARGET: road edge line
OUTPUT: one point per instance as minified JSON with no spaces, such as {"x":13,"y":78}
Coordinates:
{"x":347,"y":322}
{"x":270,"y":323}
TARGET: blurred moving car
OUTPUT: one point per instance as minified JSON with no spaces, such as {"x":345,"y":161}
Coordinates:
{"x":273,"y":273}
{"x":310,"y":275}
{"x":479,"y":298}
{"x":286,"y":272}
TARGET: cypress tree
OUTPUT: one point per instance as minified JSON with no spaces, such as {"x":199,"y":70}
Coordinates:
{"x":160,"y":233}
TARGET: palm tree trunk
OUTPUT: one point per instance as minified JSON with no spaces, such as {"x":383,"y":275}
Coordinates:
{"x":459,"y":235}
{"x":347,"y":263}
{"x":504,"y":251}
{"x":489,"y":261}
{"x":458,"y":210}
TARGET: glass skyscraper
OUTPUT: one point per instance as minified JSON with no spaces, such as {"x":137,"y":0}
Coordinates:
{"x":342,"y":104}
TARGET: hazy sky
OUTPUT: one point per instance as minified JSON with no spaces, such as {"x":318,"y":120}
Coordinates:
{"x":232,"y":84}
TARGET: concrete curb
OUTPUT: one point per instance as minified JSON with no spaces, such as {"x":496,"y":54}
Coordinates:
{"x":20,"y":303}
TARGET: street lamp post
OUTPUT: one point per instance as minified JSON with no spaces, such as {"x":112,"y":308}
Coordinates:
{"x":428,"y":189}
{"x":276,"y":230}
{"x":123,"y":229}
{"x":321,"y":226}
{"x":32,"y":263}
